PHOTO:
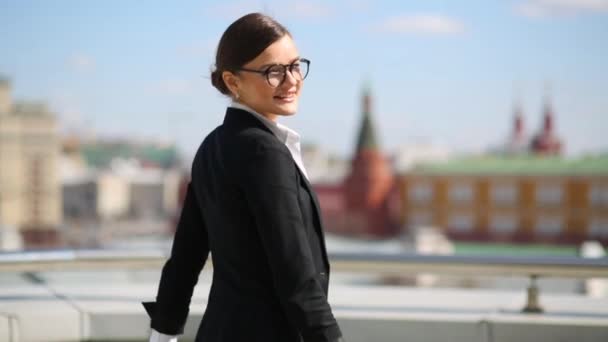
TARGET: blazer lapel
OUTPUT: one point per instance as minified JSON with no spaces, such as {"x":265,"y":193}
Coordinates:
{"x":236,"y":116}
{"x":317,"y":209}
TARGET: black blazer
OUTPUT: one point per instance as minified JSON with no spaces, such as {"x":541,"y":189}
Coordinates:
{"x":250,"y":205}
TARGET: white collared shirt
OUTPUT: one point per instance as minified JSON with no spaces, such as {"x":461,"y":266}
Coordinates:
{"x":286,"y":135}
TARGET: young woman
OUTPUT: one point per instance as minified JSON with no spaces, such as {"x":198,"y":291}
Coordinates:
{"x":250,"y":204}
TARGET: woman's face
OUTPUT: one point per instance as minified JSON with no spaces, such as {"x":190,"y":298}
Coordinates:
{"x":254,"y":90}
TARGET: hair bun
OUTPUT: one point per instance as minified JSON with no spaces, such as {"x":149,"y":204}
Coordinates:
{"x":218,"y":82}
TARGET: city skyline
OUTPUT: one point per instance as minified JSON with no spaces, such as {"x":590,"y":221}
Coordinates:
{"x":440,"y":72}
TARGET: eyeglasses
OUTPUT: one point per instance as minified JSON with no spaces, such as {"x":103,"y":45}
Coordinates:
{"x":275,"y":74}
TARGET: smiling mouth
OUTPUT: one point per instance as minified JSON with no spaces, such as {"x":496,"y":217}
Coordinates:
{"x":286,"y":97}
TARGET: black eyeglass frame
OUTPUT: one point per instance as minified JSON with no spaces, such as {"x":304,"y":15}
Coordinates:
{"x":266,"y":71}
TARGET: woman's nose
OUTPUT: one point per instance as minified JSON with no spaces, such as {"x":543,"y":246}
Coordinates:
{"x":289,"y":78}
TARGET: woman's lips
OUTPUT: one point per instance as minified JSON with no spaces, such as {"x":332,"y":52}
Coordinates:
{"x":285,"y":97}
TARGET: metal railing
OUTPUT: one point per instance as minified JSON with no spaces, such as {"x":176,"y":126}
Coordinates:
{"x":403,"y":263}
{"x":387,"y":264}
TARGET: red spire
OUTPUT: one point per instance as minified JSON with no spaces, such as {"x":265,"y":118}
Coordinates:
{"x":517,"y":140}
{"x":548,"y":112}
{"x":518,"y":120}
{"x":548,"y":119}
{"x":518,"y":123}
{"x":546,"y":142}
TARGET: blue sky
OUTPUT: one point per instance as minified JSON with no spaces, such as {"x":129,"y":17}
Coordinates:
{"x":445,"y":72}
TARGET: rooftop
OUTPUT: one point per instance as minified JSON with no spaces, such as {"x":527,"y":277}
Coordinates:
{"x":100,"y":154}
{"x":517,"y":165}
{"x":57,"y":301}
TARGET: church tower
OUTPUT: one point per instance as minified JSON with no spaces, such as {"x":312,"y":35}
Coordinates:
{"x":518,"y":141}
{"x":371,"y":180}
{"x":546,"y":142}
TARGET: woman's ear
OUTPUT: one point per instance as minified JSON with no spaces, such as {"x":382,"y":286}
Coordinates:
{"x":232,"y":82}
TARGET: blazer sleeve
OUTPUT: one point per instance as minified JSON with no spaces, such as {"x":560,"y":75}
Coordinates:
{"x":270,"y":187}
{"x":180,"y":272}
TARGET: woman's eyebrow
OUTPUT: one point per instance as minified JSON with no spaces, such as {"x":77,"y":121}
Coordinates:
{"x":269,"y":64}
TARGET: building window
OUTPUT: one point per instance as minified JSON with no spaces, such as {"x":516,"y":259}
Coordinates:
{"x":504,"y":194}
{"x":549,"y":225}
{"x":461,"y":222}
{"x":598,"y":195}
{"x":420,"y":219}
{"x":598,"y":228}
{"x":503,"y":223}
{"x":421,"y":192}
{"x":549,"y":194}
{"x":461,"y":192}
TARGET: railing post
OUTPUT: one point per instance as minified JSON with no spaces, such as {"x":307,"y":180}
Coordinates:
{"x":532,"y":301}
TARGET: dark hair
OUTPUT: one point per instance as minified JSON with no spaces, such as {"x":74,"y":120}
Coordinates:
{"x":243,"y":41}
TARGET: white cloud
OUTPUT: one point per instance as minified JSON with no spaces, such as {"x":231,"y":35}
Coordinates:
{"x":81,"y":62}
{"x":421,"y":24}
{"x":556,"y":8}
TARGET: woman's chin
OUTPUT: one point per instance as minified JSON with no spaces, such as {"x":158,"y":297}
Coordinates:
{"x":287,"y":108}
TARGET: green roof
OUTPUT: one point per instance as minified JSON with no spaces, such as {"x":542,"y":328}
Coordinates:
{"x":522,"y":165}
{"x":101,"y":154}
{"x":485,"y":248}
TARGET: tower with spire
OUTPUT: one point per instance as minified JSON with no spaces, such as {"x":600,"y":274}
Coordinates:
{"x":517,"y":143}
{"x":546,"y":141}
{"x":368,"y":187}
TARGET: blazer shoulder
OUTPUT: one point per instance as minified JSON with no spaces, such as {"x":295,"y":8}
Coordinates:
{"x":254,"y":135}
{"x":253,"y":140}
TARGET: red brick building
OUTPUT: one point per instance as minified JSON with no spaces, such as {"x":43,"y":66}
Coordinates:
{"x":366,"y":202}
